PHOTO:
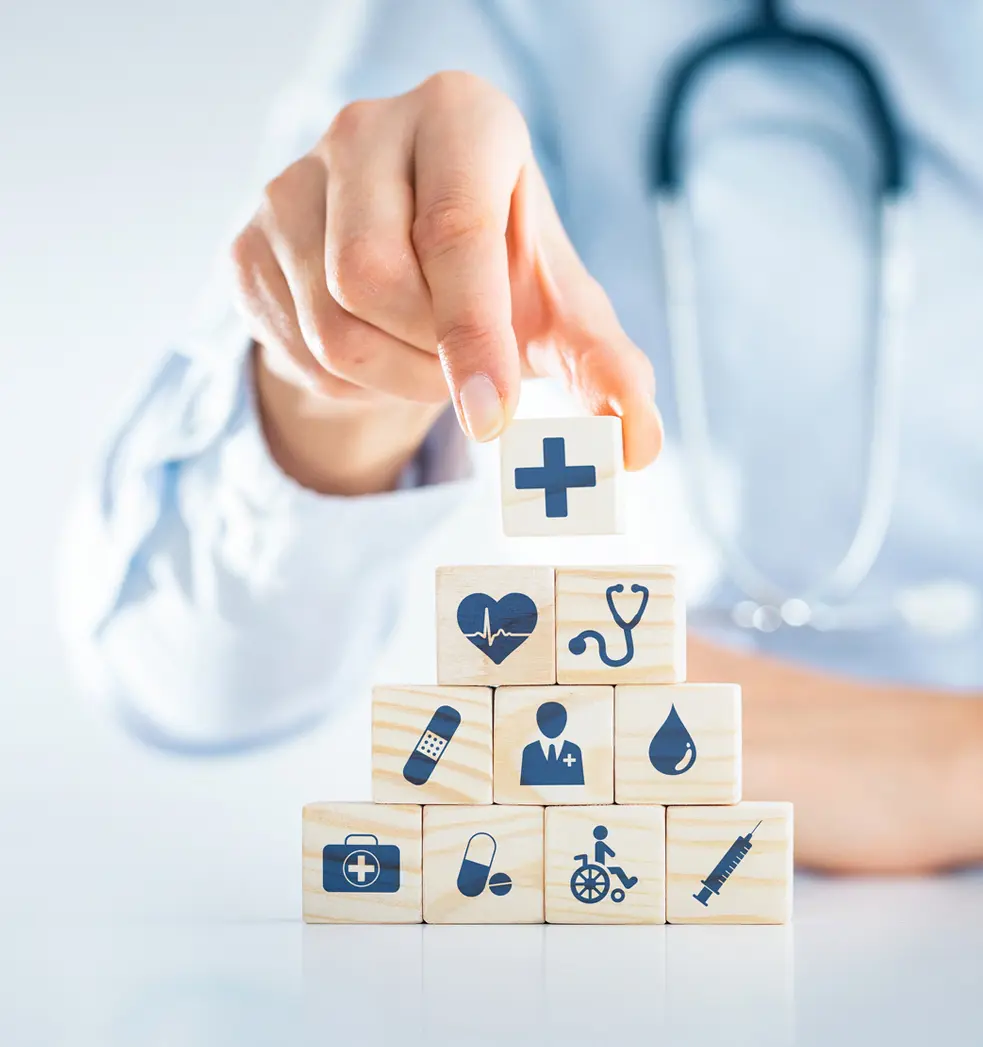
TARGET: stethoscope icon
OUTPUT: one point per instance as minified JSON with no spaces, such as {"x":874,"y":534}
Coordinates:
{"x":579,"y":643}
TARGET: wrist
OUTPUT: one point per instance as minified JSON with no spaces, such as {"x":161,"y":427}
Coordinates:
{"x":334,"y":446}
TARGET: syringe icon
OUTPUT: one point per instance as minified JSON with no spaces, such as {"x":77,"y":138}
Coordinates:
{"x":730,"y":861}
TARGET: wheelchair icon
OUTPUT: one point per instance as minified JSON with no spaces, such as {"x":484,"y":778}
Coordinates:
{"x":591,"y":881}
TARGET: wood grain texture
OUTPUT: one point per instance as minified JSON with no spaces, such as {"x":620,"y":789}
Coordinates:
{"x":759,"y":890}
{"x":709,"y":712}
{"x":518,"y":853}
{"x":589,"y":726}
{"x":459,"y":661}
{"x":659,"y":638}
{"x":635,"y":834}
{"x":400,"y":715}
{"x":593,"y":442}
{"x":399,"y":825}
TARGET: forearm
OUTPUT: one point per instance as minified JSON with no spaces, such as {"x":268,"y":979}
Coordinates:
{"x":209,"y":600}
{"x":884,"y":778}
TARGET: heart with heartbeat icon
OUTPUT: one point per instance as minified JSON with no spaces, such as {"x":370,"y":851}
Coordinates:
{"x":497,"y":627}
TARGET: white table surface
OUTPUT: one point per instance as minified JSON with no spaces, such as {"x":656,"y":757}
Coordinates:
{"x":864,"y":963}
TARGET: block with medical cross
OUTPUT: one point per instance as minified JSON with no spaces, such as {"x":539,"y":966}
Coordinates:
{"x":562,"y":476}
{"x":363,"y":863}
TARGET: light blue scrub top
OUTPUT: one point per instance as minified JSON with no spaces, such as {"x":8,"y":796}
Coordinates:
{"x":215,"y":604}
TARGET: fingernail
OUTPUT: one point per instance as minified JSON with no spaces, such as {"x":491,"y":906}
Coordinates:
{"x":482,"y":407}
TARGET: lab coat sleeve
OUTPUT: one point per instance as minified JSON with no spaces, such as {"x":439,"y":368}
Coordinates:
{"x":208,"y":599}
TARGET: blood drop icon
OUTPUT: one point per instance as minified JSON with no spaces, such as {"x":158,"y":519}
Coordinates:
{"x":672,"y":750}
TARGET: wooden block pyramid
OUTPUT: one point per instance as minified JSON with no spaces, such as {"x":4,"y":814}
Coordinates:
{"x":561,"y":770}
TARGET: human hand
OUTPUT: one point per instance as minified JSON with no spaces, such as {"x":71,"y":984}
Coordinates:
{"x":885,"y":778}
{"x":413,"y":251}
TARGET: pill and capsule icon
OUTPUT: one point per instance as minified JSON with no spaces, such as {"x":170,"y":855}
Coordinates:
{"x":475,"y":873}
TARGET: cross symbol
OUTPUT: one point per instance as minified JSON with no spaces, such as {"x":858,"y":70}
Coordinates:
{"x":361,"y":868}
{"x":569,"y":760}
{"x":554,"y":476}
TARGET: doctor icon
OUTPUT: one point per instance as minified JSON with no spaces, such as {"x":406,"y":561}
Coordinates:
{"x":556,"y":762}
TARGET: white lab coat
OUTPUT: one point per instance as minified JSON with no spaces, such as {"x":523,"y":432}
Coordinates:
{"x":215,"y":604}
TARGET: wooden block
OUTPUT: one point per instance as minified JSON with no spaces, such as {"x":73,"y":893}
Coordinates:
{"x":432,"y":744}
{"x":554,"y":745}
{"x":483,"y":864}
{"x":562,"y":476}
{"x":677,"y":743}
{"x":701,"y":843}
{"x":363,"y":863}
{"x":495,"y":625}
{"x":605,"y":864}
{"x":592,"y":646}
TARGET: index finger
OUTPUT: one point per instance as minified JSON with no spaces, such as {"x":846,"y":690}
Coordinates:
{"x":470,"y":148}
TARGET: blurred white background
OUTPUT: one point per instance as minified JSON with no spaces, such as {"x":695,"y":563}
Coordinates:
{"x":128,"y":142}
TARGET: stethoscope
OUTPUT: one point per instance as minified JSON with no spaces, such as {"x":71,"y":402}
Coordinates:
{"x":767,"y":605}
{"x":578,"y":644}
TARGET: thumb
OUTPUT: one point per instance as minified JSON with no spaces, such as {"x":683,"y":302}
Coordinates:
{"x":585,"y":346}
{"x":610,"y":375}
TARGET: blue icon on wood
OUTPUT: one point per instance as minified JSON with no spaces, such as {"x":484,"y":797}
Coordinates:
{"x":672,"y":750}
{"x":360,"y":864}
{"x":479,"y":853}
{"x":578,"y":644}
{"x":429,"y":749}
{"x":554,"y":476}
{"x":591,"y":881}
{"x":544,"y":763}
{"x":736,"y":854}
{"x":497,"y":627}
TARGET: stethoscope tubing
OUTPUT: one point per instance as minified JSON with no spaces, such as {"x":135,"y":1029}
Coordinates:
{"x":769,"y":605}
{"x":883,"y":456}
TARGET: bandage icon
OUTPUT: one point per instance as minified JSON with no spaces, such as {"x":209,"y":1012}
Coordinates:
{"x":431,"y":745}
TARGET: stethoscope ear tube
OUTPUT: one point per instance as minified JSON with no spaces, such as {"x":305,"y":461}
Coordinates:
{"x":769,"y":606}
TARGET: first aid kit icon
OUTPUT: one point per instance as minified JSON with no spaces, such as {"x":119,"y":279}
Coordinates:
{"x":361,"y":863}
